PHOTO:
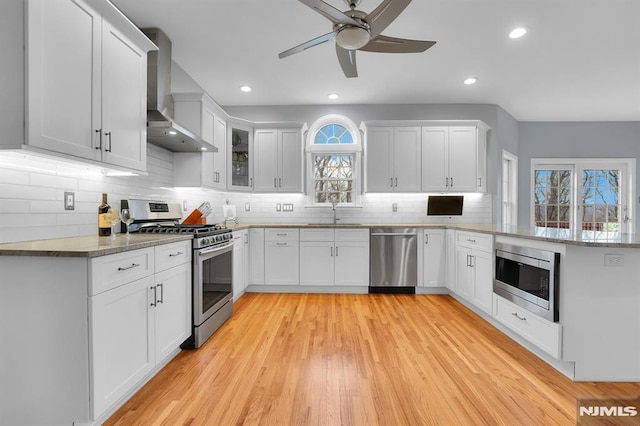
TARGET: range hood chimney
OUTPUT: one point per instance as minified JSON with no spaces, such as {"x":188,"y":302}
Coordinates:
{"x":162,"y":130}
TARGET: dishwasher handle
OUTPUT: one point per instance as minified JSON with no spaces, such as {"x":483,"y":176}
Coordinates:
{"x":394,"y":234}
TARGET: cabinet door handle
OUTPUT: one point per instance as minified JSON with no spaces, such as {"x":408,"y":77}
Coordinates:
{"x":246,"y":238}
{"x":178,"y":253}
{"x":125,"y":268}
{"x":479,"y":181}
{"x":274,"y":183}
{"x":426,"y":238}
{"x":99,"y":147}
{"x":155,"y":294}
{"x":452,"y":182}
{"x":515,"y":314}
{"x":472,"y":261}
{"x":279,"y":182}
{"x":446,"y":182}
{"x":336,"y":251}
{"x":331,"y":251}
{"x":109,"y":135}
{"x":161,"y":300}
{"x":217,"y":177}
{"x":396,"y":182}
{"x":391,"y":182}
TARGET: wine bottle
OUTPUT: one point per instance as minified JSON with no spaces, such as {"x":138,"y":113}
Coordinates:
{"x":104,"y":221}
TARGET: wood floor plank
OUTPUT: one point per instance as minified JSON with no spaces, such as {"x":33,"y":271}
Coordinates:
{"x":319,"y":359}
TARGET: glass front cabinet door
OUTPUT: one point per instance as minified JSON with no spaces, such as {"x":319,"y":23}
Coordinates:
{"x":240,"y":157}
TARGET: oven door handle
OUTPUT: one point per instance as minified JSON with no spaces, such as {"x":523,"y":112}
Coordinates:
{"x":215,"y":249}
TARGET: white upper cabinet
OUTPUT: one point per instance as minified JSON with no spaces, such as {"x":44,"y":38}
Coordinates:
{"x":200,"y":114}
{"x":393,"y":159}
{"x":454,"y":159}
{"x":86,"y":82}
{"x":278,"y":160}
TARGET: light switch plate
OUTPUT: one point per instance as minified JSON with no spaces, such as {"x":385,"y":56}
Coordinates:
{"x":287,"y":207}
{"x":69,"y":200}
{"x":278,"y":207}
{"x":394,"y":207}
{"x":247,"y":207}
{"x":613,"y":260}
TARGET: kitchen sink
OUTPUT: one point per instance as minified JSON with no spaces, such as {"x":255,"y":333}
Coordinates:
{"x":344,"y":225}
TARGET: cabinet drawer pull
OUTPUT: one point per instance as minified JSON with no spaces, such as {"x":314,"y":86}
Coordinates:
{"x":125,"y":268}
{"x":282,"y":235}
{"x":515,"y":314}
{"x":178,"y":253}
{"x":471,"y":241}
{"x":281,"y":244}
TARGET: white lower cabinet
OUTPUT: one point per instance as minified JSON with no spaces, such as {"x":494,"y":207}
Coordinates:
{"x":281,"y":260}
{"x":256,"y":256}
{"x":544,"y":334}
{"x":123,"y":346}
{"x":334,"y":257}
{"x":434,"y":260}
{"x":135,"y":326}
{"x":450,"y":275}
{"x":240,"y":271}
{"x":474,"y":269}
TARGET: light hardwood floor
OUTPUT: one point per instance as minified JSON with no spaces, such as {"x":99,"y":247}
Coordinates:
{"x":302,"y":359}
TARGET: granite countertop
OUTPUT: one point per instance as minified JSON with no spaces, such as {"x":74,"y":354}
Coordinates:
{"x":88,"y":246}
{"x":94,"y":246}
{"x":562,"y":236}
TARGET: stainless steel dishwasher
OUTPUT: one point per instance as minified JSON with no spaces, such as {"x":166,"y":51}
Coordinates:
{"x":393,"y":262}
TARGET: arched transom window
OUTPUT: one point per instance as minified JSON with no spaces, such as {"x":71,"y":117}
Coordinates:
{"x":334,"y":156}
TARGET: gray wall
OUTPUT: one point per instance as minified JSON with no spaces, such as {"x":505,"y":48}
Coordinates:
{"x":572,"y":140}
{"x":507,"y":139}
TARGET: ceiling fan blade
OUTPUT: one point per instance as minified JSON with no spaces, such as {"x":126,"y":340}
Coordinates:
{"x":347,"y":59}
{"x":331,"y":13}
{"x":385,"y":14}
{"x":386,"y":44}
{"x":304,"y":46}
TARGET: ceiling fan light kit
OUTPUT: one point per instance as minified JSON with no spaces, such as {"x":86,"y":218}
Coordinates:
{"x":352,"y":38}
{"x":356,"y":30}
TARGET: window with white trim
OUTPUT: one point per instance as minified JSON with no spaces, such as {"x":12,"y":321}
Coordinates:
{"x":333,"y":152}
{"x":583,"y":195}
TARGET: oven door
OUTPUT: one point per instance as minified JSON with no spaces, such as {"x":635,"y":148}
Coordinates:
{"x":212,"y":280}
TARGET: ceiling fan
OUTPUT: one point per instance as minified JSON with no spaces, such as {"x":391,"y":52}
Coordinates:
{"x":355,"y":30}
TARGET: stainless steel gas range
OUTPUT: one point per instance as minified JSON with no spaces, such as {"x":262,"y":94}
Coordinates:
{"x":212,"y":263}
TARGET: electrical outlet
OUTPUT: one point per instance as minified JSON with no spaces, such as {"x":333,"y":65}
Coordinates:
{"x":394,"y":207}
{"x":278,"y":207}
{"x":69,"y":200}
{"x":287,"y":207}
{"x":247,"y":207}
{"x":614,"y":260}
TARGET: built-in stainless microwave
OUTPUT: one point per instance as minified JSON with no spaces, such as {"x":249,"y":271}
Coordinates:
{"x":528,"y":277}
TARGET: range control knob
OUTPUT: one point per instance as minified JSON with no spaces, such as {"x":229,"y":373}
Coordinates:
{"x":204,"y":241}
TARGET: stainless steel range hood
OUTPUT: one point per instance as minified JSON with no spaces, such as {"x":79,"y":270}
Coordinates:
{"x":162,"y":130}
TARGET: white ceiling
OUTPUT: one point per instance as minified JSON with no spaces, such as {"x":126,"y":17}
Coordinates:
{"x":580,"y":60}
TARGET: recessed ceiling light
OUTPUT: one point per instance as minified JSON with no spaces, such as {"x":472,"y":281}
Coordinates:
{"x":333,"y":96}
{"x":173,"y":132}
{"x":470,"y":80}
{"x":245,"y":88}
{"x":204,"y":148}
{"x":518,"y":32}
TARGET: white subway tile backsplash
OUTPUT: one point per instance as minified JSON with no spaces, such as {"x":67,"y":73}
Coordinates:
{"x":31,"y":194}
